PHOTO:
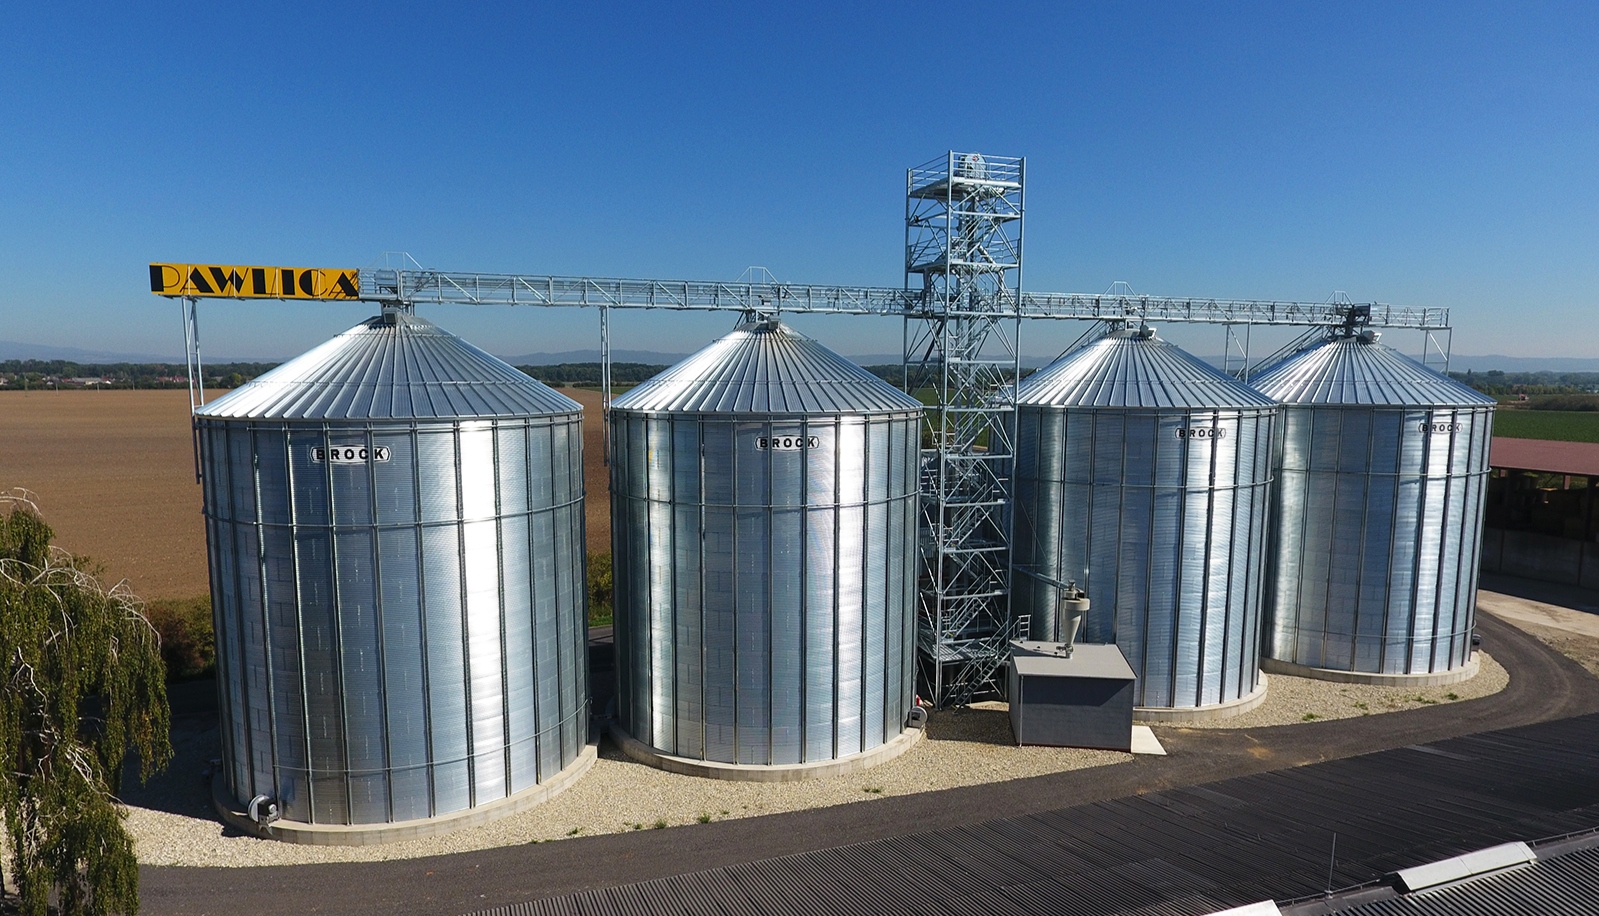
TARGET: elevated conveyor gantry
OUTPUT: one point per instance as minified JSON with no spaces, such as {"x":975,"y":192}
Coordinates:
{"x":962,"y":307}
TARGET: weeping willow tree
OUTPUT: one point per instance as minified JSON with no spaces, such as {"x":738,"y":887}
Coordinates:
{"x":81,"y":684}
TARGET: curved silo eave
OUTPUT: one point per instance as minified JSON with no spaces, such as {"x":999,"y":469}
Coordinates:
{"x":1377,"y":528}
{"x":1144,"y":474}
{"x":764,"y":507}
{"x":395,"y":530}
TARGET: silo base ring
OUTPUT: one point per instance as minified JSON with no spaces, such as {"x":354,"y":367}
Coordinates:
{"x":780,"y":772}
{"x":372,"y":834}
{"x":1426,"y":679}
{"x":1178,"y":715}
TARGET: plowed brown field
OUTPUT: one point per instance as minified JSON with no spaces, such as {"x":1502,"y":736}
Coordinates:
{"x":113,"y":473}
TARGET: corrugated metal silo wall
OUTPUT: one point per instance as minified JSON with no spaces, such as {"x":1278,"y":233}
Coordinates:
{"x":1168,"y":527}
{"x":397,"y":639}
{"x":1377,"y":537}
{"x":765,"y":598}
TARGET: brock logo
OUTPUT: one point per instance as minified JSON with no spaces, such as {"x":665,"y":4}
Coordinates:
{"x":349,"y":454}
{"x":786,"y":443}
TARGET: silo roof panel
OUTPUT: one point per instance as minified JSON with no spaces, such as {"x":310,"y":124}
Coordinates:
{"x":1351,"y":371}
{"x":766,"y":367}
{"x":1126,"y":369}
{"x":393,"y":367}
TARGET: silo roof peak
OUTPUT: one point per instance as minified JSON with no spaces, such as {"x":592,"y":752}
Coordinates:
{"x":766,"y":367}
{"x":393,"y":366}
{"x":1132,"y":368}
{"x":1356,"y":370}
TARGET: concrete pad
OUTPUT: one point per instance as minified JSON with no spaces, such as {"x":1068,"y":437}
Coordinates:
{"x":1184,"y":715}
{"x":372,"y":834}
{"x":782,"y":772}
{"x":1145,"y":742}
{"x":1527,"y":610}
{"x":1428,"y":679}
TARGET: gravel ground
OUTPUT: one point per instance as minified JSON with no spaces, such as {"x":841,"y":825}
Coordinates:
{"x":172,"y":822}
{"x":1296,"y":699}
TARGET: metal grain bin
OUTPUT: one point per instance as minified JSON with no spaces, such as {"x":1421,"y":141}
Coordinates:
{"x":1144,"y":474}
{"x":764,"y":499}
{"x":1378,"y":522}
{"x":395,"y":526}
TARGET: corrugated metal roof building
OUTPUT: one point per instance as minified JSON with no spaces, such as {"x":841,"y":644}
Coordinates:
{"x":1558,"y":883}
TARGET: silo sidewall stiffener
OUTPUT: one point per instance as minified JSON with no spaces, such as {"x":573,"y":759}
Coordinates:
{"x":765,"y":582}
{"x":1161,"y":515}
{"x":401,"y":627}
{"x":1377,"y":537}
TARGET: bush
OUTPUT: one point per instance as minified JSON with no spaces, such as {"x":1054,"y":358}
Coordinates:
{"x":188,"y":642}
{"x":600,"y":589}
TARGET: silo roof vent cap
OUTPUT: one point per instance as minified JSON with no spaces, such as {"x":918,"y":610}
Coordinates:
{"x":1142,"y":332}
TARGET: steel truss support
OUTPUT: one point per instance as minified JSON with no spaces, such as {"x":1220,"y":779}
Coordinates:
{"x":605,"y":382}
{"x":1235,"y":359}
{"x":963,"y":265}
{"x":403,"y":287}
{"x":189,"y":308}
{"x":1436,"y":348}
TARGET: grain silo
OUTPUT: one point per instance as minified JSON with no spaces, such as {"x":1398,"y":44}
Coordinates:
{"x":395,"y":524}
{"x":1378,"y":524}
{"x":764,"y":504}
{"x":1143,"y":475}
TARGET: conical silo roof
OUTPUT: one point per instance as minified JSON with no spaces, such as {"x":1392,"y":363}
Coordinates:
{"x":766,"y":367}
{"x":1359,"y":371}
{"x":393,"y":366}
{"x":1132,"y":368}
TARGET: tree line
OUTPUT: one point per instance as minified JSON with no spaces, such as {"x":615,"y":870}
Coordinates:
{"x":32,"y":374}
{"x":589,"y":373}
{"x":1495,"y":382}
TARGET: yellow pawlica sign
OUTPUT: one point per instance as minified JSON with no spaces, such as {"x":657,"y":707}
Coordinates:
{"x":228,"y":281}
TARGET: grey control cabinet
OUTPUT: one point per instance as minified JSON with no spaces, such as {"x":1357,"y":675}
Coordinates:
{"x":1085,"y":700}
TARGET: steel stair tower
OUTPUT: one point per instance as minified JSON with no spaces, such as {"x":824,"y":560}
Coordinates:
{"x":963,"y":270}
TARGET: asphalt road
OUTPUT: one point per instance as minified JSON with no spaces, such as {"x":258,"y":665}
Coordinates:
{"x":1543,"y":686}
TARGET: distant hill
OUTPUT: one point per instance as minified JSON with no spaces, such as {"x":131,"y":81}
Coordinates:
{"x":11,"y":349}
{"x":622,"y":373}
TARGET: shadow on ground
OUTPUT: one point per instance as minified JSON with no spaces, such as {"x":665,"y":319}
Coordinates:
{"x":1566,"y":596}
{"x":977,"y":724}
{"x":184,"y":786}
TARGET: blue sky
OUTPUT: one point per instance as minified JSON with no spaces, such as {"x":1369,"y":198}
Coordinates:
{"x":1420,"y":154}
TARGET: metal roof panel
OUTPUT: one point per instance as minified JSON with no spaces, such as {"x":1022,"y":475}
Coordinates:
{"x":394,"y":366}
{"x":1359,"y":371}
{"x":766,"y":367}
{"x":1132,"y":368}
